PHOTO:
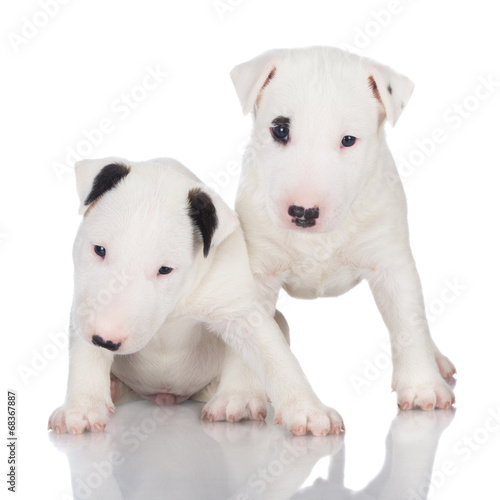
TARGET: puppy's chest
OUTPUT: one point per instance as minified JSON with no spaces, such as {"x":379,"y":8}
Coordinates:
{"x":312,"y":274}
{"x":180,"y":359}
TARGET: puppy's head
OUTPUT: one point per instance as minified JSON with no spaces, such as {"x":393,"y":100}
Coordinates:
{"x":318,"y":129}
{"x":147,"y":229}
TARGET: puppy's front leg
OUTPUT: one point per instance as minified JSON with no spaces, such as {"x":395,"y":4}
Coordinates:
{"x":88,"y":398}
{"x":258,"y":340}
{"x":418,"y":364}
{"x":240,"y":394}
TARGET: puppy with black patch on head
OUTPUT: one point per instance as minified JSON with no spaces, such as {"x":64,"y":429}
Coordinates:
{"x":321,"y":203}
{"x":164,"y":299}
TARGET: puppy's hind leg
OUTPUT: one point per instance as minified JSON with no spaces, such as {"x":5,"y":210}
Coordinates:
{"x":121,"y":392}
{"x":207,"y":392}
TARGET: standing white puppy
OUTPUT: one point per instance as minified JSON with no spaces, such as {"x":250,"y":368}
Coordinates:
{"x":321,"y":203}
{"x":162,"y":286}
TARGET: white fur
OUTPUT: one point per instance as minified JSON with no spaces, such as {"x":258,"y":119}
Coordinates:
{"x":362,"y":231}
{"x":174,"y":329}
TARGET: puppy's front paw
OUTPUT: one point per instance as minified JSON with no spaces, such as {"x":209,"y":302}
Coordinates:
{"x":428,"y":395}
{"x":234,"y":407}
{"x":76,"y":418}
{"x":318,"y":419}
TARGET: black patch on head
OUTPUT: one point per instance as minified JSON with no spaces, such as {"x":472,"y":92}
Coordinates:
{"x":106,"y":179}
{"x":281,"y":121}
{"x":389,"y":89}
{"x":204,"y":216}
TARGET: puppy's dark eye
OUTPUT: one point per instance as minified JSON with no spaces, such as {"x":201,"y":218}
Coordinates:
{"x":281,"y":129}
{"x":165,"y":270}
{"x":280,"y":133}
{"x":348,"y":141}
{"x":99,"y":250}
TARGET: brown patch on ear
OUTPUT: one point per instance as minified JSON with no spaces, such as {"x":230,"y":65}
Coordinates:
{"x":268,"y":79}
{"x":376,"y":94}
{"x":374,"y":88}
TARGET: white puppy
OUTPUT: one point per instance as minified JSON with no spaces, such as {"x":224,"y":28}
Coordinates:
{"x":321,"y":203}
{"x":162,"y":284}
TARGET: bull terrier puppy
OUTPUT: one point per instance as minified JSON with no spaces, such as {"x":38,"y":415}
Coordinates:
{"x":163,"y":299}
{"x":321,"y":203}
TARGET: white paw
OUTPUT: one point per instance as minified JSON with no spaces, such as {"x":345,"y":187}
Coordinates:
{"x":234,"y":407}
{"x":315,"y":418}
{"x":446,"y":367}
{"x":76,"y":418}
{"x":435,"y":393}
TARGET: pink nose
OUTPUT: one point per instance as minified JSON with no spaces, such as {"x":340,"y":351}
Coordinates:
{"x":303,"y":217}
{"x":107,"y":344}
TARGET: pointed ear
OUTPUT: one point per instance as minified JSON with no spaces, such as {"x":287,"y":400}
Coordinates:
{"x":249,"y":78}
{"x":96,"y":177}
{"x":211,"y":217}
{"x":391,"y":89}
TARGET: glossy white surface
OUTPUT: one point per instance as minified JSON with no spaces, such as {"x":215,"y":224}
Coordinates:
{"x":80,"y":71}
{"x":150,"y":452}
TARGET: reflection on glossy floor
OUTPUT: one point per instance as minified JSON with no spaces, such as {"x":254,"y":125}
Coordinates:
{"x":150,"y":452}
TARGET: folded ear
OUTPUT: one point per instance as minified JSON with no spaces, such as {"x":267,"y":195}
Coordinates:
{"x":96,"y":177}
{"x":211,"y":217}
{"x":391,"y":89}
{"x":249,"y":78}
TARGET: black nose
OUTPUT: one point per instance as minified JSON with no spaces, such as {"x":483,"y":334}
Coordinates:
{"x":96,"y":340}
{"x":303,"y":217}
{"x":296,"y":211}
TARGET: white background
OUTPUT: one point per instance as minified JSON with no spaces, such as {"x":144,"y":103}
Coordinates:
{"x":72,"y":73}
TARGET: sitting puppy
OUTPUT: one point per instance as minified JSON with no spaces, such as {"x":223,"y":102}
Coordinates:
{"x":321,"y":203}
{"x":162,"y":288}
